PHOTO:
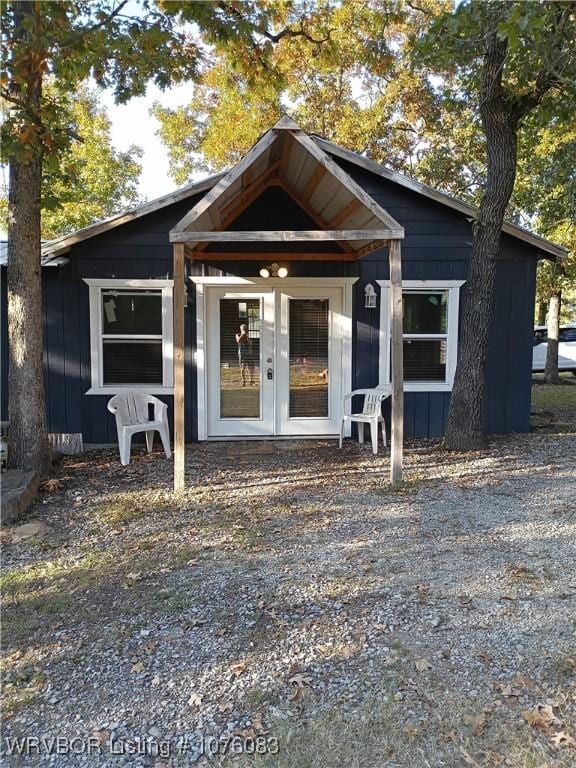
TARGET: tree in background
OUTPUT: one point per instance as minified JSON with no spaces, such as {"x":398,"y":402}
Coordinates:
{"x":122,"y":46}
{"x":92,"y":179}
{"x":513,"y":60}
{"x":546,"y":190}
{"x":344,"y":72}
{"x":426,"y":109}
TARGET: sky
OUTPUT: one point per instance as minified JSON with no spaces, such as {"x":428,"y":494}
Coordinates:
{"x":132,"y":124}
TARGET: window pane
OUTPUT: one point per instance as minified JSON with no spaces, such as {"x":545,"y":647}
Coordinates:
{"x":425,"y":312}
{"x":240,"y":358}
{"x":425,"y":360}
{"x":567,"y":334}
{"x":308,"y":358}
{"x":132,"y":362}
{"x":131,"y":314}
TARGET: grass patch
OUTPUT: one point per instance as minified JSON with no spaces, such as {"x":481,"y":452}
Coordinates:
{"x":20,"y":689}
{"x":379,"y":734}
{"x":555,"y":398}
{"x":125,"y":509}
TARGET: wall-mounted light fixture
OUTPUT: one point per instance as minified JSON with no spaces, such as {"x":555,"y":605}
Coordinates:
{"x":370,"y":296}
{"x":274,"y":270}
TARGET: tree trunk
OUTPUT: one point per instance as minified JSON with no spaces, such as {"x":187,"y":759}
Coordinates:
{"x":551,"y":374}
{"x":542,"y":312}
{"x":464,"y":430}
{"x":28,"y":439}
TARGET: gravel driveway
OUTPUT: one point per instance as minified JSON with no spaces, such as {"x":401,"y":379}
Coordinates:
{"x":289,"y":589}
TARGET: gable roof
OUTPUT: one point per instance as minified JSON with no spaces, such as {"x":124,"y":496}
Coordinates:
{"x":286,"y":156}
{"x":60,"y":245}
{"x":433,"y":194}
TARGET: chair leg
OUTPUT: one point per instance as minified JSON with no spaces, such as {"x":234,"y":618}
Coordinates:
{"x":341,"y":433}
{"x":360,"y":428}
{"x":124,"y":442}
{"x":165,"y":437}
{"x":384,"y":433}
{"x":374,"y":436}
{"x":149,"y":440}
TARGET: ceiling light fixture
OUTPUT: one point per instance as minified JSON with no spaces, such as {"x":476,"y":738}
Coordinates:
{"x":274,"y":270}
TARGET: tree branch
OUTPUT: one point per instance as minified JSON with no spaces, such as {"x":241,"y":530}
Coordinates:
{"x":79,"y":35}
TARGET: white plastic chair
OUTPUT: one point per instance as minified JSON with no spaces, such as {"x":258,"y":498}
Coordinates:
{"x":132,"y":415}
{"x":371,"y":414}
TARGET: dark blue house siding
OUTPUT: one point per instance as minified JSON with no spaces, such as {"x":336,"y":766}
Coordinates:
{"x":437,"y":246}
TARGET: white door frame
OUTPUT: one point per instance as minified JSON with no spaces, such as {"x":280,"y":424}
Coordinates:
{"x":345,"y":283}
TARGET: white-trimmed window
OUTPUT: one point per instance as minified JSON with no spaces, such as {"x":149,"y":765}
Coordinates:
{"x":131,"y":335}
{"x":430,"y":333}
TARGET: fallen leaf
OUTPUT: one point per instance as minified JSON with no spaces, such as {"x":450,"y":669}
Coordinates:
{"x":238,"y":668}
{"x":195,"y":700}
{"x":137,"y":667}
{"x":151,"y":646}
{"x":101,"y":736}
{"x":523,"y":681}
{"x":155,"y":680}
{"x":562,"y":739}
{"x":468,"y":759}
{"x":542,"y":716}
{"x":349,"y":650}
{"x":51,"y":485}
{"x":257,"y":723}
{"x":297,"y":694}
{"x":508,"y":596}
{"x":411,"y":731}
{"x":485,"y":657}
{"x":300,"y":680}
{"x":476,"y":722}
{"x":423,"y":665}
{"x":507,"y":690}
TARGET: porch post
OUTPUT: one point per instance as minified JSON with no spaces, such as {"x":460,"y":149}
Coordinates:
{"x":178,"y":354}
{"x":397,"y":363}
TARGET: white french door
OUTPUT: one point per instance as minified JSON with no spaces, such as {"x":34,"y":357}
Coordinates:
{"x":274,"y":360}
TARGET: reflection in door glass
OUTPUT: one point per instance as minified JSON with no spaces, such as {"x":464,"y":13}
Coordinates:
{"x":308,"y":358}
{"x":240,"y":323}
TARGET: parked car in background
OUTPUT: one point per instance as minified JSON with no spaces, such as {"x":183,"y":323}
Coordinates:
{"x":566,"y":348}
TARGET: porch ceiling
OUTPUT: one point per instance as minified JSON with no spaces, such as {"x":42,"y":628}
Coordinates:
{"x":287,"y":157}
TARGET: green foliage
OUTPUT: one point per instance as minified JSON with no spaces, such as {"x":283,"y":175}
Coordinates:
{"x":342,"y":70}
{"x":90,"y":180}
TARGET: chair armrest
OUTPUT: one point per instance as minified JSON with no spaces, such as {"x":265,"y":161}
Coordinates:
{"x":159,"y":407}
{"x":347,"y":402}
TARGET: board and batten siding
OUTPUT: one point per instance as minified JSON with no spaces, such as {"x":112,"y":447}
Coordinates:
{"x":436,"y":247}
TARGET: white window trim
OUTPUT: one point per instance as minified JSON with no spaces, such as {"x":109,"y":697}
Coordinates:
{"x":453,"y":288}
{"x":95,"y":287}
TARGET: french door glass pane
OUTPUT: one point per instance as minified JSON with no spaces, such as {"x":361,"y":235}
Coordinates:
{"x":425,"y":359}
{"x":308,"y":358}
{"x":240,"y":325}
{"x":425,"y":312}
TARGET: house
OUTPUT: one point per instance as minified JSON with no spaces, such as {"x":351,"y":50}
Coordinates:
{"x":285,"y":300}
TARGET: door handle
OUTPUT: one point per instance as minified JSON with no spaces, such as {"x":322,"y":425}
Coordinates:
{"x":269,"y":374}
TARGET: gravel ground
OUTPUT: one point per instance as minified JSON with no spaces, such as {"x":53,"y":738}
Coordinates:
{"x":289,"y":581}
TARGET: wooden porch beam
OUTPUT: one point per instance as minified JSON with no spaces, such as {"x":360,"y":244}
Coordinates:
{"x":317,"y":175}
{"x":314,"y":215}
{"x":397,"y":355}
{"x":352,"y":206}
{"x":245,"y":197}
{"x":178,"y":362}
{"x":285,"y":236}
{"x":272,"y":255}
